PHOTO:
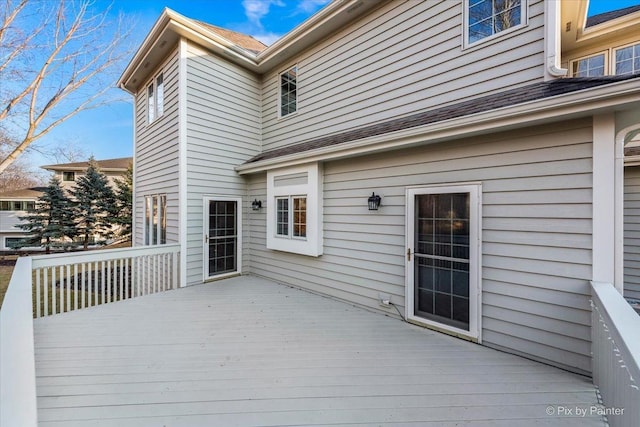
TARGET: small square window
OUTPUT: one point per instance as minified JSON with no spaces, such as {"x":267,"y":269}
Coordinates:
{"x":593,"y":66}
{"x":628,"y":60}
{"x":68,"y":176}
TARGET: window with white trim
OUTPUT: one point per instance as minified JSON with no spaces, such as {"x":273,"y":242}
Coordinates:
{"x":591,"y":66}
{"x":289,"y":91}
{"x":484,"y":18}
{"x":155,"y":219}
{"x":155,"y":98}
{"x":294,"y":210}
{"x":627,"y":59}
{"x":291,"y":217}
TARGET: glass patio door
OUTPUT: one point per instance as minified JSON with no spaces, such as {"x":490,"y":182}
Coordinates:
{"x":443,"y":258}
{"x":222,"y":237}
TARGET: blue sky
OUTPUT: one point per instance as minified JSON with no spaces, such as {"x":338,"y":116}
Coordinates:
{"x":107,"y":132}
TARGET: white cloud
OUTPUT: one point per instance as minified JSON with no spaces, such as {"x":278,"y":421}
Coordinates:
{"x":310,"y":6}
{"x":257,"y":9}
{"x":267,"y":38}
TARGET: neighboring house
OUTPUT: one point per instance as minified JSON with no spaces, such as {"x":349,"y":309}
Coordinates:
{"x":14,"y":204}
{"x":500,"y":173}
{"x":69,"y":173}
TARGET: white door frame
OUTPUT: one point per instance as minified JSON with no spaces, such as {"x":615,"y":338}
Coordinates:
{"x":475,"y":283}
{"x":205,"y":239}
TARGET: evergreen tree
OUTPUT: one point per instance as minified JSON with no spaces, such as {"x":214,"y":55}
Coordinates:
{"x":50,"y":223}
{"x":124,"y":204}
{"x":94,"y":205}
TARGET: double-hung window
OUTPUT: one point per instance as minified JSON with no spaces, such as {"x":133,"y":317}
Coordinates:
{"x":488,"y":17}
{"x":294,"y":210}
{"x":289,"y":91}
{"x":627,"y":59}
{"x":155,"y":98}
{"x":155,"y":220}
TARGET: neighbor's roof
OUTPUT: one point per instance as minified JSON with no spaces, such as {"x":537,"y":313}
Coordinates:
{"x":533,"y":92}
{"x":25,"y":193}
{"x":608,"y":16}
{"x":243,"y":41}
{"x":120,"y":164}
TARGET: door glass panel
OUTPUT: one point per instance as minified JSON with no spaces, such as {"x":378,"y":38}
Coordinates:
{"x":223,"y":239}
{"x":441,"y":248}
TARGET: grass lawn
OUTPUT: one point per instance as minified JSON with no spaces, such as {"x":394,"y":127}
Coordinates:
{"x":5,"y":275}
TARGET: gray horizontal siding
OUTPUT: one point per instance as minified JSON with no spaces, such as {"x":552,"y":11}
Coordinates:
{"x":402,"y":58}
{"x":223,"y":131}
{"x":632,"y":232}
{"x":536,"y":217}
{"x":157,"y":150}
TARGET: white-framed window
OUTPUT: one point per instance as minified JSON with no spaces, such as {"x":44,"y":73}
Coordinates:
{"x":590,"y":66}
{"x":68,"y":176}
{"x":155,"y":98}
{"x":294,"y":209}
{"x":486,"y":18}
{"x":289,"y":91}
{"x":291,"y":217}
{"x":17,"y":205}
{"x":155,"y":219}
{"x":627,"y":59}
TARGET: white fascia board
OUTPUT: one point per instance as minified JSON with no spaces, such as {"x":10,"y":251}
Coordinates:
{"x":547,"y":109}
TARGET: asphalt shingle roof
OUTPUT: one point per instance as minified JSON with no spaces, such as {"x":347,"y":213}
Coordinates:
{"x":608,"y":16}
{"x":507,"y":98}
{"x":108,"y":164}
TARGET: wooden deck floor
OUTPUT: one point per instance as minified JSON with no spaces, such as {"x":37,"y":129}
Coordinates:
{"x":246,"y":351}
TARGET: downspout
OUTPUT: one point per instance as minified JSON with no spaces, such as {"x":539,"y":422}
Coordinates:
{"x":552,"y":45}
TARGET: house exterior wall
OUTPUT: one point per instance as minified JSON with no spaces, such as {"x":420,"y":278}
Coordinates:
{"x":223,"y":131}
{"x":156,"y":152}
{"x":69,"y":185}
{"x":404,"y":57}
{"x":632,"y":232}
{"x":536,"y":234}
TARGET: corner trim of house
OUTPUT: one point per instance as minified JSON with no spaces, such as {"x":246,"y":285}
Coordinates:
{"x":182,"y":165}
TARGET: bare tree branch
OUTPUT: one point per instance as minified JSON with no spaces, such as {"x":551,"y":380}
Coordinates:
{"x":76,"y":50}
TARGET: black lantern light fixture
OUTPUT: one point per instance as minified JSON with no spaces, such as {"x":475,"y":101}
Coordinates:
{"x":374,"y":202}
{"x":256,"y":205}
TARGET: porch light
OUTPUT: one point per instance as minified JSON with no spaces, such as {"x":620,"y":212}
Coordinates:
{"x":374,"y":202}
{"x":256,"y":205}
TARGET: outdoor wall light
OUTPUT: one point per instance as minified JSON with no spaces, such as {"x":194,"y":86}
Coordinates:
{"x":374,"y":202}
{"x":256,"y":205}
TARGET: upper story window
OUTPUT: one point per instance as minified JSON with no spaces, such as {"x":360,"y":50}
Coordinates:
{"x":592,"y":66}
{"x":288,"y":91}
{"x":155,"y":98}
{"x":488,"y":17}
{"x":627,"y":59}
{"x":68,"y":176}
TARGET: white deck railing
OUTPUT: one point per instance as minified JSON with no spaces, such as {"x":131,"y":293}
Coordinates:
{"x":17,"y":360}
{"x":615,"y":334}
{"x":72,"y":281}
{"x":65,"y":282}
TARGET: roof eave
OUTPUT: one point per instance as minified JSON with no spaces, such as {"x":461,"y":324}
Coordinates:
{"x":171,"y":26}
{"x":572,"y":104}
